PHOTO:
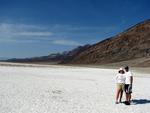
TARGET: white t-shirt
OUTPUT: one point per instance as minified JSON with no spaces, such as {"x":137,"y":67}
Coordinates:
{"x":128,"y":76}
{"x":120,"y":78}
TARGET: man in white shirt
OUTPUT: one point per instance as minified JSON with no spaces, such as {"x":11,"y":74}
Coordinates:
{"x":128,"y":85}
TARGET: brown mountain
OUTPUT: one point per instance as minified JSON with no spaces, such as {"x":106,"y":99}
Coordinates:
{"x":134,"y":43}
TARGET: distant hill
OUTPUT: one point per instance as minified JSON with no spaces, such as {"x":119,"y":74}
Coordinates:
{"x":55,"y":58}
{"x":128,"y":46}
{"x":52,"y":59}
{"x":3,"y":58}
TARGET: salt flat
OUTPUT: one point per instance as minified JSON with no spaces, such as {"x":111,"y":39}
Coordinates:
{"x":67,"y":90}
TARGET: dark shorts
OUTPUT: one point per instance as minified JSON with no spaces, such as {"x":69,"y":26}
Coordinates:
{"x":128,"y":88}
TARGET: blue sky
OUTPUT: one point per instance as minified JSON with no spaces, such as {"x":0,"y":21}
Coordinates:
{"x":39,"y":27}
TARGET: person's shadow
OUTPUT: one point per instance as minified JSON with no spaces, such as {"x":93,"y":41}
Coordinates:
{"x":140,"y":101}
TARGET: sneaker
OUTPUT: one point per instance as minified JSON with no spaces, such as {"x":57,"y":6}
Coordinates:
{"x":127,"y":103}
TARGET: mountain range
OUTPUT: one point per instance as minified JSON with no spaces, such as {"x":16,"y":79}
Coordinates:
{"x":129,"y":47}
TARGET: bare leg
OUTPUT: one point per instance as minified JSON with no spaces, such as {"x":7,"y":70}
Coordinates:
{"x":129,"y":97}
{"x":121,"y":94}
{"x":117,"y":95}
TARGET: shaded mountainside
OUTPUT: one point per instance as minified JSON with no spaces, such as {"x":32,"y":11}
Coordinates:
{"x":134,"y":43}
{"x":57,"y":58}
{"x":53,"y":58}
{"x":131,"y":44}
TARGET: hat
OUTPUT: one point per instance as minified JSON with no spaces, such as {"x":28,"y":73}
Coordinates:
{"x":120,"y":69}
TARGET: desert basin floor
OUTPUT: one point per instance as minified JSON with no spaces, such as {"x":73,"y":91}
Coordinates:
{"x":64,"y":89}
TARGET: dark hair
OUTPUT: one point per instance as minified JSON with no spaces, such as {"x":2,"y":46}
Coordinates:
{"x":127,"y":68}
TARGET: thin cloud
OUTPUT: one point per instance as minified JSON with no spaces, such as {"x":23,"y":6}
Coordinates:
{"x":58,"y":27}
{"x":66,"y":42}
{"x":35,"y":33}
{"x":10,"y":32}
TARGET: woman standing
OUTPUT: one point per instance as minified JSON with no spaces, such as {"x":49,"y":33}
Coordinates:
{"x":120,"y":80}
